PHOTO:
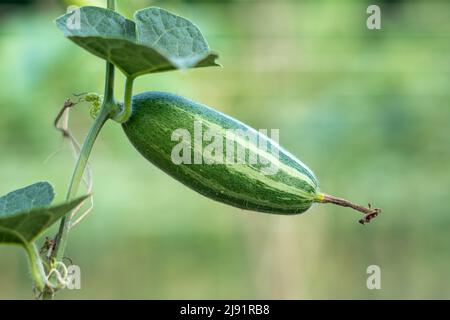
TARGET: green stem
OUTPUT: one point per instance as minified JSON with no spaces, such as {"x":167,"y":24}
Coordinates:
{"x":105,"y":113}
{"x":77,"y":177}
{"x":36,"y":267}
{"x":63,"y":233}
{"x":125,"y":112}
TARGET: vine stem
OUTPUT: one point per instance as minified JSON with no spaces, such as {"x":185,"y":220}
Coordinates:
{"x":106,"y":110}
{"x":63,"y":233}
{"x":369,"y":212}
{"x":77,"y":176}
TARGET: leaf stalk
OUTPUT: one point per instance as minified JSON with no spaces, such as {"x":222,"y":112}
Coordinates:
{"x":125,"y":113}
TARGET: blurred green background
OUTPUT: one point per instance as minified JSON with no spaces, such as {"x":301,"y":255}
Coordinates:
{"x":368,"y":111}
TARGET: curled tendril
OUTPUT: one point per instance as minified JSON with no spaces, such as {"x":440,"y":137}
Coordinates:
{"x":96,"y":102}
{"x":62,"y":124}
{"x":60,"y":272}
{"x":57,"y":278}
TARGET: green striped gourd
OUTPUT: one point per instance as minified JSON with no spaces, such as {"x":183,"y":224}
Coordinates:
{"x":277,"y":183}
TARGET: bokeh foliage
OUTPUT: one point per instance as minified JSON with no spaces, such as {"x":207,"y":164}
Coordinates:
{"x":368,"y":111}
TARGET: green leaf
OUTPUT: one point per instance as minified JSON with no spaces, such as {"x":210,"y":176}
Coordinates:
{"x":26,"y":213}
{"x":40,"y":194}
{"x":158,"y":41}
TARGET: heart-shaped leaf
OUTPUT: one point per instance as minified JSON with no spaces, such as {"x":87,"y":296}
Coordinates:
{"x":158,"y":40}
{"x":26,"y":213}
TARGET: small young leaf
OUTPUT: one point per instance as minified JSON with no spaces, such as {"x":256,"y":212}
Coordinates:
{"x":158,"y":41}
{"x":26,"y":213}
